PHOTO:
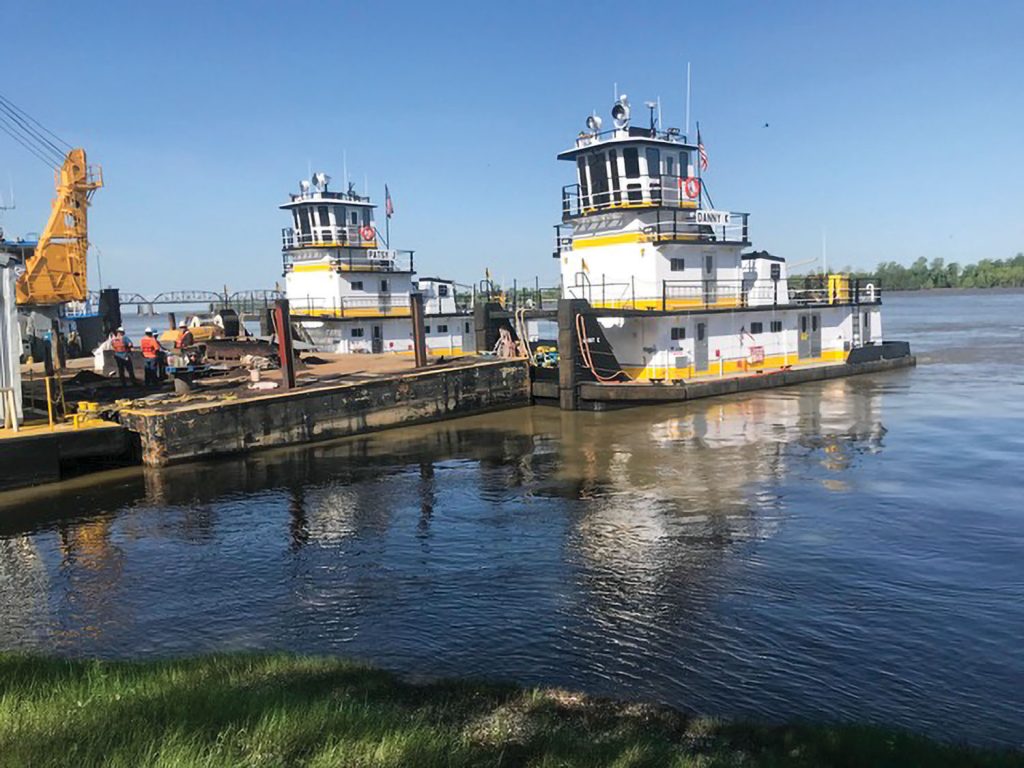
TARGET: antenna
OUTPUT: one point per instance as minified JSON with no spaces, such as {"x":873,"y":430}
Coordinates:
{"x":651,"y":106}
{"x":824,"y":252}
{"x":659,"y":111}
{"x":615,"y":91}
{"x":3,"y":205}
{"x":344,"y":164}
{"x":687,"y":98}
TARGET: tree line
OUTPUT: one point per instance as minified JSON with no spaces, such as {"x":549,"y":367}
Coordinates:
{"x":922,"y":274}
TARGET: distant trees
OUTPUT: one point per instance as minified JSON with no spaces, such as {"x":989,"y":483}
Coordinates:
{"x":922,"y":274}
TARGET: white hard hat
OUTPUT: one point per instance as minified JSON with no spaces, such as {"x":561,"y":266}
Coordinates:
{"x":120,"y":329}
{"x":149,"y":330}
{"x":183,"y":324}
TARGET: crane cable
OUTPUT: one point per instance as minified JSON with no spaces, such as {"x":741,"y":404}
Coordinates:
{"x":30,"y":133}
{"x":585,"y":354}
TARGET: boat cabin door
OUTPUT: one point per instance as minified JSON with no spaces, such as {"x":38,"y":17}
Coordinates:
{"x":710,"y":288}
{"x":377,"y":340}
{"x":809,"y":335}
{"x":700,"y":348}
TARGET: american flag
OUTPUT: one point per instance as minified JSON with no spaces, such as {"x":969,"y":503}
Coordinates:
{"x":389,"y":206}
{"x":702,"y":152}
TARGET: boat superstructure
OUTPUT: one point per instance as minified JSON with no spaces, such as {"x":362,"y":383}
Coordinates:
{"x":349,"y":290}
{"x":640,"y":237}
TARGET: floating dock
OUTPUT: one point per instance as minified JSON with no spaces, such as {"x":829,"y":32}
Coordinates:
{"x":169,"y":433}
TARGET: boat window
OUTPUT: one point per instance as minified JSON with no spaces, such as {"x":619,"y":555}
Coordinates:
{"x":803,"y":324}
{"x":677,"y":265}
{"x":384,"y":286}
{"x":700,"y":331}
{"x":670,"y":165}
{"x":357,"y":333}
{"x":442,"y":329}
{"x":613,"y":161}
{"x":467,"y":327}
{"x":776,"y":326}
{"x":304,"y":215}
{"x":325,"y":217}
{"x":653,"y":161}
{"x":357,"y":285}
{"x":581,"y":167}
{"x":295,"y":216}
{"x":684,"y":164}
{"x":426,"y":329}
{"x":598,"y":179}
{"x":354,"y":217}
{"x":756,"y":328}
{"x":442,"y":290}
{"x":814,"y":322}
{"x":366,"y":216}
{"x":678,"y":334}
{"x":631,"y":158}
{"x":635,"y":193}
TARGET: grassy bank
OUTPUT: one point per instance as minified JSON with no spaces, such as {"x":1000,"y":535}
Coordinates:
{"x":283,"y":710}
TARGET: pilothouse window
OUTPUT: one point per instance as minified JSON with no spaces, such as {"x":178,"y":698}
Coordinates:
{"x":613,"y":161}
{"x":631,"y":157}
{"x":581,"y":168}
{"x":598,"y":178}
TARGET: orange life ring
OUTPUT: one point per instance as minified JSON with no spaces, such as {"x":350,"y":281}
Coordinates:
{"x":366,"y":232}
{"x":692,"y":188}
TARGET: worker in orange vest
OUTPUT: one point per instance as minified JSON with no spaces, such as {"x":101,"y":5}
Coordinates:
{"x":151,"y":352}
{"x":122,"y":348}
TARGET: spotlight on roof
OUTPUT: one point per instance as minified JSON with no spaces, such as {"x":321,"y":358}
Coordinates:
{"x":620,"y":112}
{"x":594,"y":124}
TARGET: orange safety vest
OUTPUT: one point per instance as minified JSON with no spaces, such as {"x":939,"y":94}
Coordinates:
{"x":118,"y":345}
{"x":150,"y":347}
{"x":179,"y":343}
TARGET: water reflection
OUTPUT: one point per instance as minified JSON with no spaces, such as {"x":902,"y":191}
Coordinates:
{"x":722,"y":555}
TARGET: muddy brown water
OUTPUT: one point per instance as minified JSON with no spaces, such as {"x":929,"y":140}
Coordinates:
{"x":849,"y":550}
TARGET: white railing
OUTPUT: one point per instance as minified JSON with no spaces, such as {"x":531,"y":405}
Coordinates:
{"x":355,"y":236}
{"x":368,"y":305}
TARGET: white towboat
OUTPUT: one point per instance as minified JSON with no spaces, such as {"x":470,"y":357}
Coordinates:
{"x":638,"y":235}
{"x":349,"y":291}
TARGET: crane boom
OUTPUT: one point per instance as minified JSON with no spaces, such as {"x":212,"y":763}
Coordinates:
{"x":56,"y":271}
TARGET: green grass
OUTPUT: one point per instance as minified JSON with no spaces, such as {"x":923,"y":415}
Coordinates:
{"x":242,"y":710}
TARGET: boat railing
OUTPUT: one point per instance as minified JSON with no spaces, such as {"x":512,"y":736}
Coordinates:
{"x":371,"y":305}
{"x":358,"y":237}
{"x":586,"y":139}
{"x":352,"y":260}
{"x":697,"y":226}
{"x":688,"y":295}
{"x":666,"y":191}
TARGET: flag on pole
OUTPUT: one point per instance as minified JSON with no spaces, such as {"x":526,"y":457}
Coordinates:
{"x":389,"y":206}
{"x":702,"y":152}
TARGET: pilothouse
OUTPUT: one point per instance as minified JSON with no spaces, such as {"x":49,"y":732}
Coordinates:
{"x":349,"y":290}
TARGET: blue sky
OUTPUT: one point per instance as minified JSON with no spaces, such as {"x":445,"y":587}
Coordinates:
{"x":896,"y":127}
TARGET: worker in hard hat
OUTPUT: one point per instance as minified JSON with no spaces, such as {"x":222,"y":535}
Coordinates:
{"x":122,"y":347}
{"x":183,"y":342}
{"x":151,"y":352}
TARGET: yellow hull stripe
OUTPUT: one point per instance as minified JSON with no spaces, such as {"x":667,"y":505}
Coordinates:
{"x":731,"y":367}
{"x":342,"y":313}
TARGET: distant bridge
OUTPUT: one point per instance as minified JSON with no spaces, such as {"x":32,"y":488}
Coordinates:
{"x":242,"y":301}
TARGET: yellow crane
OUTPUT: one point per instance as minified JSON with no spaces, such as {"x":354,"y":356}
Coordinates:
{"x":56,"y":271}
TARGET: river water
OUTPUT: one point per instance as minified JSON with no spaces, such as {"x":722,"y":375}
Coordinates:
{"x":848,"y":550}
